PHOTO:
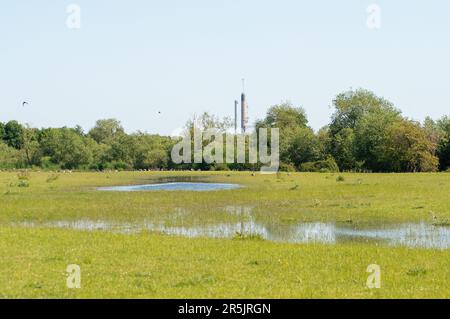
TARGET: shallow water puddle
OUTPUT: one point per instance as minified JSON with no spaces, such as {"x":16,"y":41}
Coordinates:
{"x":419,"y":235}
{"x":175,"y":186}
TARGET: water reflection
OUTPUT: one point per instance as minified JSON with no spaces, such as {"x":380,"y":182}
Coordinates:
{"x":420,"y":235}
{"x":175,"y":186}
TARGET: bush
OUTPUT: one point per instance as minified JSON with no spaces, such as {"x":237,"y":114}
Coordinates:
{"x":325,"y":166}
{"x":23,"y":176}
{"x":340,"y":178}
{"x":219,"y":167}
{"x":23,"y":183}
{"x":52,"y":178}
{"x":9,"y":157}
{"x":248,"y":236}
{"x":285,"y":167}
{"x":46,"y":163}
{"x":121,"y":166}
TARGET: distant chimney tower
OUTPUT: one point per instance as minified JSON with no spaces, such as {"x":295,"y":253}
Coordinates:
{"x":244,"y":109}
{"x":236,"y":104}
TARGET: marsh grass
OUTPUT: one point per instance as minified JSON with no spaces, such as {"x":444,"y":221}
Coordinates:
{"x":442,"y":223}
{"x":23,"y":175}
{"x":52,"y":178}
{"x":248,"y":236}
{"x":416,"y":272}
{"x":182,"y":267}
{"x":340,"y":178}
{"x":23,"y":183}
{"x":157,"y":266}
{"x":198,"y":280}
{"x":382,"y":197}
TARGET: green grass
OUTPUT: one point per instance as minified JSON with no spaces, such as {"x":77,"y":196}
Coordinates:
{"x":34,"y":261}
{"x":362,"y":198}
{"x":148,"y":265}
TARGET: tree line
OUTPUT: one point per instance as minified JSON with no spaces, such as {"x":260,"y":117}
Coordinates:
{"x":365,"y":133}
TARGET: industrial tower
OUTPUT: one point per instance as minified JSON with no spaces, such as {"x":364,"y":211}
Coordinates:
{"x":244,"y":110}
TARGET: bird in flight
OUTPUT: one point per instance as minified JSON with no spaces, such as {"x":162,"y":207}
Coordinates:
{"x":24,"y":103}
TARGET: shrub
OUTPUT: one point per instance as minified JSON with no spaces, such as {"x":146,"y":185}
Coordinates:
{"x":23,"y":183}
{"x":340,"y":178}
{"x":286,"y":167}
{"x":121,"y":166}
{"x":46,"y":163}
{"x":325,"y":166}
{"x":23,"y":176}
{"x":9,"y":157}
{"x":52,"y":178}
{"x":248,"y":236}
{"x":415,"y":272}
{"x":219,"y":167}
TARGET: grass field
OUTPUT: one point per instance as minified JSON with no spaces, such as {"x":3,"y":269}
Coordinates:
{"x":150,"y":265}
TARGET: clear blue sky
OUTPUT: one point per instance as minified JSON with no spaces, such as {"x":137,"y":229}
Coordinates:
{"x":131,"y":59}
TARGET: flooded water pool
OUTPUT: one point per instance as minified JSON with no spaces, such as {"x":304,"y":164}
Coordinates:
{"x":414,"y":235}
{"x":175,"y":186}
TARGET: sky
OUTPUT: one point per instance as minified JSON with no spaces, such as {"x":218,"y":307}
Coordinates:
{"x":132,"y":59}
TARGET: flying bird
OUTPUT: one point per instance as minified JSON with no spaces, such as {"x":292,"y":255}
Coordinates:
{"x":24,"y":103}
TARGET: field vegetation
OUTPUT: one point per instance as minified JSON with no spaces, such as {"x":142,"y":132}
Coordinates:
{"x":366,"y":133}
{"x":153,"y":265}
{"x":283,"y":197}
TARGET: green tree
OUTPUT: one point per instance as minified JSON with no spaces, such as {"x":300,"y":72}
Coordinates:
{"x":151,"y":151}
{"x":344,"y":149}
{"x":370,"y":134}
{"x":443,"y":151}
{"x":9,"y":156}
{"x":304,"y":146}
{"x":283,"y":116}
{"x":407,"y":148}
{"x":324,"y":142}
{"x":30,"y":146}
{"x":13,"y":134}
{"x":67,"y":148}
{"x":120,"y":149}
{"x":298,"y":143}
{"x":364,"y":118}
{"x":2,"y":131}
{"x":202,"y":123}
{"x":351,"y":106}
{"x":105,"y":130}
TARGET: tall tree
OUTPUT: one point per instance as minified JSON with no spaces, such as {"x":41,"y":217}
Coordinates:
{"x":298,"y":143}
{"x":351,"y":106}
{"x":67,"y":148}
{"x":105,"y":130}
{"x":9,"y":156}
{"x":344,"y":149}
{"x":363,"y":117}
{"x":444,"y":143}
{"x":284,"y":116}
{"x":2,"y":131}
{"x":13,"y":134}
{"x":151,"y":151}
{"x":30,"y":146}
{"x":407,"y":148}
